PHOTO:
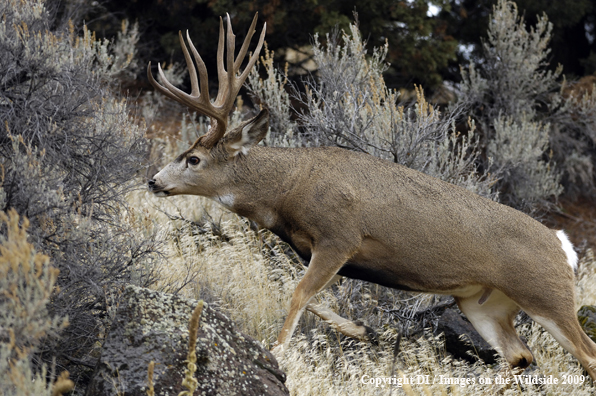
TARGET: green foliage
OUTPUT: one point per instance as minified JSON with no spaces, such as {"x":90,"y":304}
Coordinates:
{"x":506,"y":94}
{"x":423,"y":47}
{"x":420,"y":47}
{"x":518,"y":149}
{"x":508,"y":84}
{"x":513,"y":70}
{"x":573,"y":22}
{"x":69,"y":152}
{"x":573,"y":25}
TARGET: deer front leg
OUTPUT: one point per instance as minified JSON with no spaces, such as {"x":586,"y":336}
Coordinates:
{"x":356,"y":330}
{"x":322,"y":269}
{"x":349,"y":328}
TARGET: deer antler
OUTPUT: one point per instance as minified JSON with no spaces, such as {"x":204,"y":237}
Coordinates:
{"x":229,"y":84}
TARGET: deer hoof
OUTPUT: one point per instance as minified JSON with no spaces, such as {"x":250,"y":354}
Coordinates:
{"x":370,"y":334}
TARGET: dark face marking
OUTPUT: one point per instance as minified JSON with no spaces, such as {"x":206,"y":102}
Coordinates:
{"x":181,"y":157}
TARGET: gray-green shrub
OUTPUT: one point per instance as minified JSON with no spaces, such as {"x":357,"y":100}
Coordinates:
{"x":27,"y":282}
{"x":536,"y":137}
{"x":69,"y":152}
{"x":347,"y":104}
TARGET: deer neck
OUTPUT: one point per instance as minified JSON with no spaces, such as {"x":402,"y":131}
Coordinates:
{"x":257,"y":184}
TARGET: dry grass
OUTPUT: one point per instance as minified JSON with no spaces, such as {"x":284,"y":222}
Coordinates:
{"x":248,"y":275}
{"x":215,"y":255}
{"x":230,"y":271}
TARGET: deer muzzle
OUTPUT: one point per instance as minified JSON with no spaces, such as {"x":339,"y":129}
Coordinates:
{"x":156,"y":189}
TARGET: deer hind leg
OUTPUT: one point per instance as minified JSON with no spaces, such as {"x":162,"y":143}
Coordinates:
{"x":559,"y":318}
{"x":492,"y":313}
{"x":323,"y":267}
{"x":346,"y":327}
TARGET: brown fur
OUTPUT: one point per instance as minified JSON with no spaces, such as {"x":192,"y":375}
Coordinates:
{"x":355,"y":215}
{"x":359,"y":216}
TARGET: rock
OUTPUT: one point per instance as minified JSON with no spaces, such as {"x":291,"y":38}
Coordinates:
{"x":152,"y":326}
{"x":454,"y":325}
{"x":587,"y":319}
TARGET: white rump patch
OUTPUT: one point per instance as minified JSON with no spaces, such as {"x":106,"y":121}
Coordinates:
{"x":568,"y":249}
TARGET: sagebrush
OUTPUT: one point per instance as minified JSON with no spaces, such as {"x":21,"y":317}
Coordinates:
{"x":69,"y":153}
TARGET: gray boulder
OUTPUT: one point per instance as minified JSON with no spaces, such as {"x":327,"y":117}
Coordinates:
{"x":152,"y":326}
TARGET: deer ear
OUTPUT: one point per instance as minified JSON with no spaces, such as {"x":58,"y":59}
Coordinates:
{"x":251,"y":132}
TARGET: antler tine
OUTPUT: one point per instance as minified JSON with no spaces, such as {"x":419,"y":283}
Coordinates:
{"x":254,"y":56}
{"x":191,"y":69}
{"x":202,"y":69}
{"x":221,"y":71}
{"x":231,"y":39}
{"x":245,"y":44}
{"x":169,"y":90}
{"x":228,"y":92}
{"x":229,"y":85}
{"x":195,"y":100}
{"x":157,"y":85}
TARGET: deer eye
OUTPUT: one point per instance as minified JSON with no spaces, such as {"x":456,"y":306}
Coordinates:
{"x":193,"y":160}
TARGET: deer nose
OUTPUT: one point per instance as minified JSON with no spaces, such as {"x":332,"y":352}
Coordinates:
{"x":151,"y":183}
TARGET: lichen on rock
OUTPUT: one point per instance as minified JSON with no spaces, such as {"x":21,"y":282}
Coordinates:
{"x":153,"y":326}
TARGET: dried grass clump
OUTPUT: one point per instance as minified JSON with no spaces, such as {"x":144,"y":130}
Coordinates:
{"x":190,"y":382}
{"x":27,"y":281}
{"x":244,"y":273}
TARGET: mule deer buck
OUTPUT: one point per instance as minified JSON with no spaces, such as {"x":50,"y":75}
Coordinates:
{"x":351,"y":214}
